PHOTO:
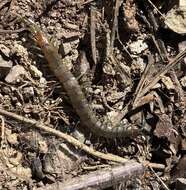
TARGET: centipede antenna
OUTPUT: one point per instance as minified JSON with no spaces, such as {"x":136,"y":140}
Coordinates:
{"x":31,"y":26}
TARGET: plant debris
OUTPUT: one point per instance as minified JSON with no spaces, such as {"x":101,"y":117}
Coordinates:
{"x":123,"y":124}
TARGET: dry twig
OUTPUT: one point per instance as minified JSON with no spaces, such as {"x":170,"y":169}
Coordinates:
{"x":2,"y":31}
{"x":2,"y":131}
{"x":3,"y":3}
{"x":158,"y":76}
{"x":102,"y":178}
{"x":68,"y":138}
{"x":35,"y":124}
{"x":143,"y":80}
{"x":114,"y":26}
{"x":163,"y":184}
{"x":87,"y":2}
{"x":93,"y":31}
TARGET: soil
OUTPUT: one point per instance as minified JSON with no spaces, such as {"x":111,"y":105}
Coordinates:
{"x":116,"y":50}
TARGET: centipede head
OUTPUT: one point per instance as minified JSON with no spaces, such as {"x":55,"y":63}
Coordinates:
{"x":32,"y":27}
{"x":37,"y":33}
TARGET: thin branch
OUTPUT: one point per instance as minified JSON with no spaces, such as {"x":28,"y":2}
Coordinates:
{"x":101,"y":178}
{"x":114,"y":26}
{"x":143,"y":80}
{"x":163,"y":184}
{"x":156,"y":8}
{"x":35,"y":124}
{"x":87,"y":2}
{"x":38,"y":125}
{"x":158,"y":76}
{"x":93,"y":31}
{"x":2,"y":131}
{"x":3,"y":31}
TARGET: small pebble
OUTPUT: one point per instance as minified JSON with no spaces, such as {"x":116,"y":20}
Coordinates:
{"x":35,"y":72}
{"x":5,"y":50}
{"x":183,"y":81}
{"x":12,"y":138}
{"x":65,"y":49}
{"x":182,"y":46}
{"x":15,"y":74}
{"x":138,"y":47}
{"x":28,"y":92}
{"x":43,"y":147}
{"x":138,"y":65}
{"x":168,"y":83}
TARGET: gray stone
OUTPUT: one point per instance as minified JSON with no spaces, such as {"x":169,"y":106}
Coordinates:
{"x":183,"y":81}
{"x":42,"y":82}
{"x":5,"y":67}
{"x":15,"y":74}
{"x":181,"y":183}
{"x":5,"y":50}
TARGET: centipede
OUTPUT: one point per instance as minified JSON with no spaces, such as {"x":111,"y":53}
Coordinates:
{"x":73,"y":89}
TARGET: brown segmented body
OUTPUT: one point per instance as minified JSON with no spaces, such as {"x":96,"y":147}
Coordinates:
{"x":74,"y":91}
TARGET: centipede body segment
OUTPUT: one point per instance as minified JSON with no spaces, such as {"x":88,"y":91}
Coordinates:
{"x":75,"y":93}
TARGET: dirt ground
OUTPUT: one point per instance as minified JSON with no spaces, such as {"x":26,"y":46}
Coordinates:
{"x":129,"y":62}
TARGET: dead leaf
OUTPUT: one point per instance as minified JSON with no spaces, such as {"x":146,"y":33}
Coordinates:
{"x":165,"y":129}
{"x":176,"y":19}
